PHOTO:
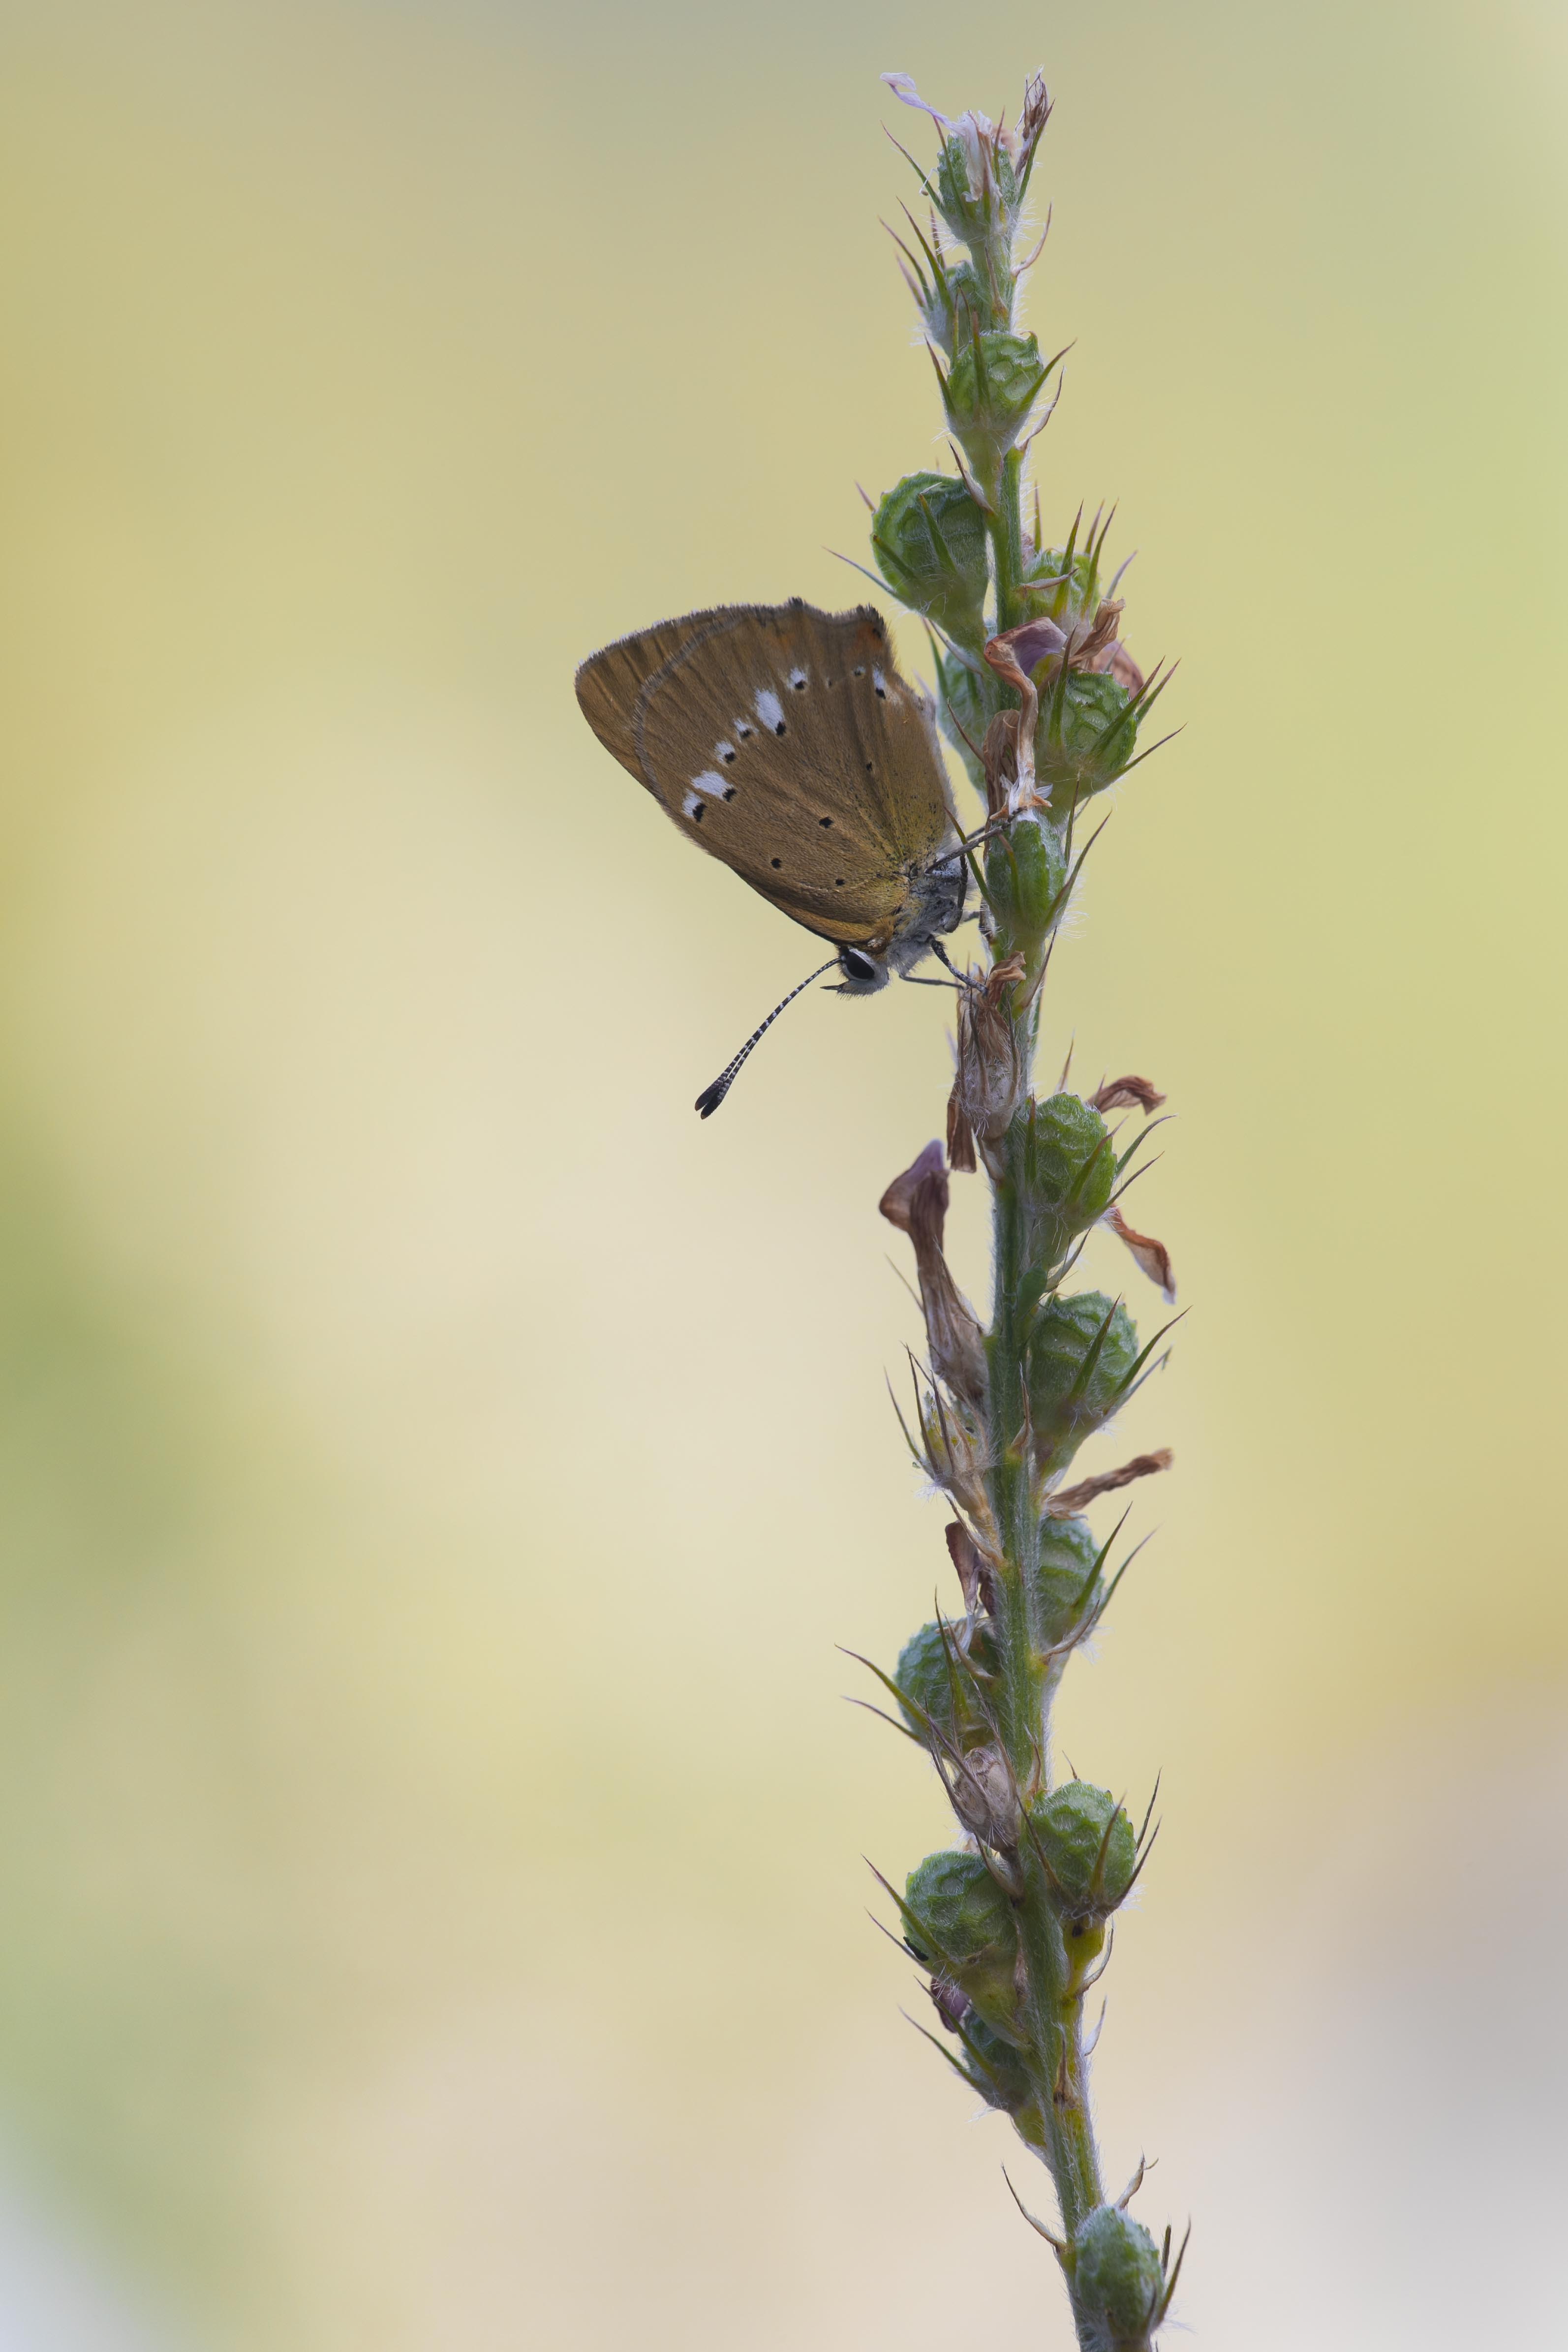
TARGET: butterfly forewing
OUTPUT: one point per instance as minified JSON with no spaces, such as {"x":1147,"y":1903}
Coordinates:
{"x":784,"y":742}
{"x":609,"y":682}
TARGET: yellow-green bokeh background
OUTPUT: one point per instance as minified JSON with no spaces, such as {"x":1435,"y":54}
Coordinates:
{"x":436,"y":1469}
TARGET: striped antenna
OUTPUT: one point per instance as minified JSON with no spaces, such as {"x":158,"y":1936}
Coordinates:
{"x":709,"y":1100}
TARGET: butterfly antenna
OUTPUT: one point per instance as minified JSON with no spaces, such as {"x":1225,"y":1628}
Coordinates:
{"x":709,"y":1100}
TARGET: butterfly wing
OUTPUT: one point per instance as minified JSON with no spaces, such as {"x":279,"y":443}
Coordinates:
{"x":783,"y":741}
{"x":609,"y":682}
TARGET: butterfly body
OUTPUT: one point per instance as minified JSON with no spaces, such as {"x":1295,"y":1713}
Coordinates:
{"x":783,"y":741}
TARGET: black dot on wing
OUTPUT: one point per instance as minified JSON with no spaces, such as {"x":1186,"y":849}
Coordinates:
{"x":869,"y":769}
{"x":776,"y":861}
{"x":861,"y":671}
{"x":728,"y":755}
{"x":731,"y":794}
{"x":697,"y":813}
{"x":780,"y":728}
{"x":824,"y":820}
{"x":839,"y":882}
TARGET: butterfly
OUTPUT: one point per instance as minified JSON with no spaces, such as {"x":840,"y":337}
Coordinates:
{"x":783,"y":741}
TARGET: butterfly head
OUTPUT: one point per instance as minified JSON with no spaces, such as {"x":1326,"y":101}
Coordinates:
{"x":862,"y":971}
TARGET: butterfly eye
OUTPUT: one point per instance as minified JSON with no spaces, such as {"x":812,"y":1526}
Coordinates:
{"x":856,"y":965}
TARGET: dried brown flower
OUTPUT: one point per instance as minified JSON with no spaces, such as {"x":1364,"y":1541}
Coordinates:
{"x":990,"y":1080}
{"x":916,"y":1203}
{"x":1068,"y":1501}
{"x":1152,"y":1256}
{"x":1126,"y":1094}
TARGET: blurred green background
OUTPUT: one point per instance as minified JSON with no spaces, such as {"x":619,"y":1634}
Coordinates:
{"x":435,"y":1469}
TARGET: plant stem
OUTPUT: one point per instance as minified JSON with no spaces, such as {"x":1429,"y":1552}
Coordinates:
{"x":1007,"y":541}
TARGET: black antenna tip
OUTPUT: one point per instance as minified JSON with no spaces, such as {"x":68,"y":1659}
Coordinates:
{"x":709,"y":1100}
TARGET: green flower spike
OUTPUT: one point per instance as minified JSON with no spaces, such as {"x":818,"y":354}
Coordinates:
{"x":1044,"y":705}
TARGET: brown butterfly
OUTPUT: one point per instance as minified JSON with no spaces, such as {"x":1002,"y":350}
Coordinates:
{"x":783,"y":741}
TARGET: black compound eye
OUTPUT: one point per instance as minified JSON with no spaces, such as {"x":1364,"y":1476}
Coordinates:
{"x":858,"y":966}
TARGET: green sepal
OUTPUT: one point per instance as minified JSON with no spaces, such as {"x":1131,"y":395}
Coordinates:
{"x":967,"y":701}
{"x":1085,"y":738}
{"x":1083,"y":1357}
{"x":1066,"y":1583}
{"x":1089,"y":1848}
{"x":1065,"y":1158}
{"x":929,"y":538}
{"x":994,"y":2067}
{"x":936,"y":1677}
{"x":983,"y":214}
{"x":1025,"y":884}
{"x":1062,"y":1163}
{"x":1061,"y":586}
{"x":957,"y":1920}
{"x":993,"y":382}
{"x":1118,"y":2280}
{"x":962,"y":300}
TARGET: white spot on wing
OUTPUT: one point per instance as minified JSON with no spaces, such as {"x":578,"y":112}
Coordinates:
{"x":770,"y":709}
{"x":797,"y":678}
{"x":724,"y":751}
{"x":714,"y":785}
{"x":691,"y":803}
{"x":880,"y":682}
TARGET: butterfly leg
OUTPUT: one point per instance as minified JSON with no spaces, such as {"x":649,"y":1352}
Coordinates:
{"x":941,"y":956}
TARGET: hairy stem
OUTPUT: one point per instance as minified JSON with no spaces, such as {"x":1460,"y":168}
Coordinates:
{"x":1007,"y":541}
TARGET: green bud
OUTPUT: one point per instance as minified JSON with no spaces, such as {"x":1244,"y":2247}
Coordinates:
{"x":999,"y":2075}
{"x":1087,"y":735}
{"x":1066,"y":1163}
{"x":1089,"y":1845}
{"x":1082,"y":1351}
{"x":1056,"y":588}
{"x":1064,"y":1582}
{"x":929,"y":538}
{"x":956,"y":301}
{"x":1116,"y":2279}
{"x":979,"y":202}
{"x":1025,"y":874}
{"x":992,"y":385}
{"x":966,"y":1929}
{"x":932,"y":1672}
{"x":966,"y":704}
